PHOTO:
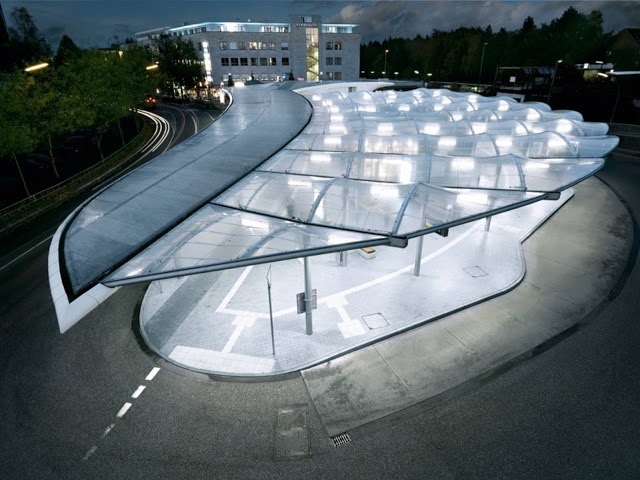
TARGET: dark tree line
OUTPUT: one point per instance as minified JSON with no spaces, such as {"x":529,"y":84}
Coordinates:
{"x":457,"y":55}
{"x":78,"y":89}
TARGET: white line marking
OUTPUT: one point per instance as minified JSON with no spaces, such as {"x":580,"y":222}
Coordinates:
{"x":108,"y":429}
{"x":234,"y":289}
{"x":138,"y":391}
{"x":152,"y":373}
{"x":90,"y":452}
{"x":331,"y":299}
{"x":23,"y":254}
{"x":343,"y":314}
{"x":233,"y":339}
{"x":123,"y":410}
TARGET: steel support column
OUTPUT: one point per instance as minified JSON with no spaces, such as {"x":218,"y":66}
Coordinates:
{"x":308,"y":301}
{"x":416,"y":267}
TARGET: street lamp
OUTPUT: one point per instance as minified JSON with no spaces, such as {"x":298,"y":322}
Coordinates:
{"x":385,"y":61}
{"x":396,"y":74}
{"x":481,"y":63}
{"x":615,"y":106}
{"x":558,"y":62}
{"x":38,"y":66}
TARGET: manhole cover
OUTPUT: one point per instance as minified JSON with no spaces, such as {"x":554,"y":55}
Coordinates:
{"x":476,"y":272}
{"x":375,"y":320}
{"x":291,"y":436}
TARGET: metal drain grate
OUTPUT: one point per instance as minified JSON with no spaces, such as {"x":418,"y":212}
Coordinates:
{"x":341,"y":439}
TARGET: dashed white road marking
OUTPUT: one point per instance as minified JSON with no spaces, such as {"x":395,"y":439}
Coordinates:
{"x":108,"y":429}
{"x":154,"y":371}
{"x":90,"y":452}
{"x":138,"y":391}
{"x":123,"y":410}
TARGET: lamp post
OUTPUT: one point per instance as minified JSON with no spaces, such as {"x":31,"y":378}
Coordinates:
{"x":553,"y":77}
{"x":615,"y":106}
{"x":481,"y":64}
{"x":385,"y":61}
{"x":38,"y":66}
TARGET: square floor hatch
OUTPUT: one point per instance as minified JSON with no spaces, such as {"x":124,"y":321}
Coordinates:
{"x":476,"y":272}
{"x":291,"y":436}
{"x":375,"y":320}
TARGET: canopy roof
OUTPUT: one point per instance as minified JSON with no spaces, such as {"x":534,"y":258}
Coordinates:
{"x":378,"y":169}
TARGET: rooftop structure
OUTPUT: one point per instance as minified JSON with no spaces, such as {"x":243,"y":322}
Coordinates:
{"x":370,"y":168}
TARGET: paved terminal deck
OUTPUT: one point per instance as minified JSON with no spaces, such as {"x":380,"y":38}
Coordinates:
{"x":219,"y":322}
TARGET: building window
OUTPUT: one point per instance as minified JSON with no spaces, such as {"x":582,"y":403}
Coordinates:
{"x":263,"y":61}
{"x":337,"y":46}
{"x":337,"y":75}
{"x":329,"y":45}
{"x":328,"y":60}
{"x":224,"y":46}
{"x":263,"y":45}
{"x":272,"y":61}
{"x":234,"y":62}
{"x":285,"y":61}
{"x":272,"y":45}
{"x":284,"y":46}
{"x":242,"y":45}
{"x":338,"y":61}
{"x":224,"y":61}
{"x":331,"y":29}
{"x":244,"y":62}
{"x":253,"y":45}
{"x":233,"y":45}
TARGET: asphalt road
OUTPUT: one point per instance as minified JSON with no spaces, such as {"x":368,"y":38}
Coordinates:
{"x":569,"y":411}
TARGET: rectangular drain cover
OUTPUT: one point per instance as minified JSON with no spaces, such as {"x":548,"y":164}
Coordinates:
{"x":340,"y":440}
{"x":475,"y":272}
{"x":375,"y":320}
{"x":291,"y":437}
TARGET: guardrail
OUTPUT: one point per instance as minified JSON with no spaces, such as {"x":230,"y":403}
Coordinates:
{"x":26,"y":210}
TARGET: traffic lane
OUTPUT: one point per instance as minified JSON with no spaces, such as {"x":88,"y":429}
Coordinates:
{"x":60,"y":392}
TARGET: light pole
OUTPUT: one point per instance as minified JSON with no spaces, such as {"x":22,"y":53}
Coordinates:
{"x":481,"y":63}
{"x":615,"y":106}
{"x":553,"y":77}
{"x":39,"y":66}
{"x":385,"y":61}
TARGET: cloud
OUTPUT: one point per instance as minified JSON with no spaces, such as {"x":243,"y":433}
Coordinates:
{"x":382,"y":19}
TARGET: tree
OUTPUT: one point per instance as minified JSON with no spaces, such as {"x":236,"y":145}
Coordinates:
{"x":18,"y":137}
{"x":26,"y":44}
{"x":178,"y":60}
{"x":67,"y":52}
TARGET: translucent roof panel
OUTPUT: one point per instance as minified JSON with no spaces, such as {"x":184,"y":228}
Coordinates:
{"x":286,"y":196}
{"x":216,"y":237}
{"x":430,"y":207}
{"x":379,"y":168}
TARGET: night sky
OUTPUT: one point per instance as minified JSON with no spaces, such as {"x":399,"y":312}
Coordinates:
{"x":96,"y":23}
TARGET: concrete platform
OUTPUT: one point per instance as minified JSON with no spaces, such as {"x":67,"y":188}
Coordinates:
{"x":357,"y":365}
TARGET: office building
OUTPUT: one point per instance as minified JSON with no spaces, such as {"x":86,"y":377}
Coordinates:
{"x":303,"y":48}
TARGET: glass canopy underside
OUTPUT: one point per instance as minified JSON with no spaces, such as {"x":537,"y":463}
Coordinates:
{"x":378,"y":169}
